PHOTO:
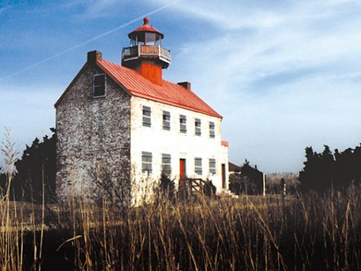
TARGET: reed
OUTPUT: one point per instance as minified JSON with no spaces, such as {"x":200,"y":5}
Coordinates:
{"x":302,"y":232}
{"x":309,"y":232}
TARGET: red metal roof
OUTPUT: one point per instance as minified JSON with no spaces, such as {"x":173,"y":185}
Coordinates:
{"x":146,"y":27}
{"x":168,"y":93}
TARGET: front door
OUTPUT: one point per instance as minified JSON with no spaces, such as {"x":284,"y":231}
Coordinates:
{"x":182,"y":171}
{"x":223,"y":176}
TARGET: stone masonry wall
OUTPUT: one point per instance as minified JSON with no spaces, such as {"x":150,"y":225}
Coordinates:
{"x":93,"y":138}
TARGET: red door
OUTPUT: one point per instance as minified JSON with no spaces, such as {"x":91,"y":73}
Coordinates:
{"x":182,"y":171}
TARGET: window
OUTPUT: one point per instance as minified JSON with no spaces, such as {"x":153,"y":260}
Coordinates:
{"x":198,"y":127}
{"x":183,"y":124}
{"x":146,"y":162}
{"x":149,"y":38}
{"x":212,"y":166}
{"x":99,"y":82}
{"x":211,"y":129}
{"x":198,"y":166}
{"x":166,"y":164}
{"x":166,"y":120}
{"x":146,"y":116}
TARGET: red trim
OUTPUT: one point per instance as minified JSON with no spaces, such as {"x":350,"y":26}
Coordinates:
{"x":225,"y":144}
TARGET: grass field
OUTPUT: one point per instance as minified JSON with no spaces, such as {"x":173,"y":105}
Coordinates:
{"x":309,"y":232}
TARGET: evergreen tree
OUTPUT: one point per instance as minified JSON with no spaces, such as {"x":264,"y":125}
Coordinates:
{"x":37,"y":165}
{"x":248,"y":180}
{"x":326,"y":170}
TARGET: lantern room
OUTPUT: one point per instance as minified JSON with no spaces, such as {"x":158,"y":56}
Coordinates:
{"x":145,"y":45}
{"x":145,"y":35}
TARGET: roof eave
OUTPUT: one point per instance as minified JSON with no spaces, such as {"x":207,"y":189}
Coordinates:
{"x":152,"y":98}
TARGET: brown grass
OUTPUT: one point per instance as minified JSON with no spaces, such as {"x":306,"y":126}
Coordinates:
{"x":311,"y":232}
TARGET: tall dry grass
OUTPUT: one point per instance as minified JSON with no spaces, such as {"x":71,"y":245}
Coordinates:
{"x":311,"y":232}
{"x":14,"y":227}
{"x":304,"y":232}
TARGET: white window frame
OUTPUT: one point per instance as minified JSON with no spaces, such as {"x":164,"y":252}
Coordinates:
{"x":166,"y":120}
{"x":147,"y":159}
{"x":212,"y":166}
{"x":212,"y":133}
{"x":183,"y":124}
{"x":197,"y":127}
{"x":198,"y":166}
{"x":166,"y":164}
{"x":146,"y":118}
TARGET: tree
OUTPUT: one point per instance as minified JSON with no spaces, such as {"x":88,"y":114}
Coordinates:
{"x":37,"y":165}
{"x":326,"y":170}
{"x":248,"y":180}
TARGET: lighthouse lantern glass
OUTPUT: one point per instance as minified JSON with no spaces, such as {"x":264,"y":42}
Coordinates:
{"x":150,"y":38}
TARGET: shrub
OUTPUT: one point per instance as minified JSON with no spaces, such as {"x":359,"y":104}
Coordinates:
{"x":209,"y":189}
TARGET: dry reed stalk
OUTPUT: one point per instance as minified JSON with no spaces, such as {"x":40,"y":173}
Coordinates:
{"x":9,"y":233}
{"x":189,"y":247}
{"x":42,"y":218}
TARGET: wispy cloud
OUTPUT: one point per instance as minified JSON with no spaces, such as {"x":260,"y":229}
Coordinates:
{"x":302,"y":39}
{"x":284,"y":76}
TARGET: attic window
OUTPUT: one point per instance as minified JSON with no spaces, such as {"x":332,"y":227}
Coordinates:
{"x":99,"y":83}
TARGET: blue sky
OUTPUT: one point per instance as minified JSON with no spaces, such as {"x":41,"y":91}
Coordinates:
{"x":284,"y":74}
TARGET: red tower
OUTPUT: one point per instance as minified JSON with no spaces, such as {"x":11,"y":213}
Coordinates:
{"x":146,"y":54}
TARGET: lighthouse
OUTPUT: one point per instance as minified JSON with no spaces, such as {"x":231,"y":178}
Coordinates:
{"x":126,"y":120}
{"x":145,"y":53}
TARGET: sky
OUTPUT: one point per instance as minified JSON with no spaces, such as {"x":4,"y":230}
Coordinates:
{"x":284,"y":74}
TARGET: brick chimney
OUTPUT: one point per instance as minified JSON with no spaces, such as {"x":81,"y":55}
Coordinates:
{"x":185,"y":84}
{"x":93,"y":56}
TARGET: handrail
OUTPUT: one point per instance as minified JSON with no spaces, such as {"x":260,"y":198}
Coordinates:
{"x":196,"y":184}
{"x":146,"y":51}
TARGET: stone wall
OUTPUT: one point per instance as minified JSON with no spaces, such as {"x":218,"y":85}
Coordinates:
{"x":93,"y":147}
